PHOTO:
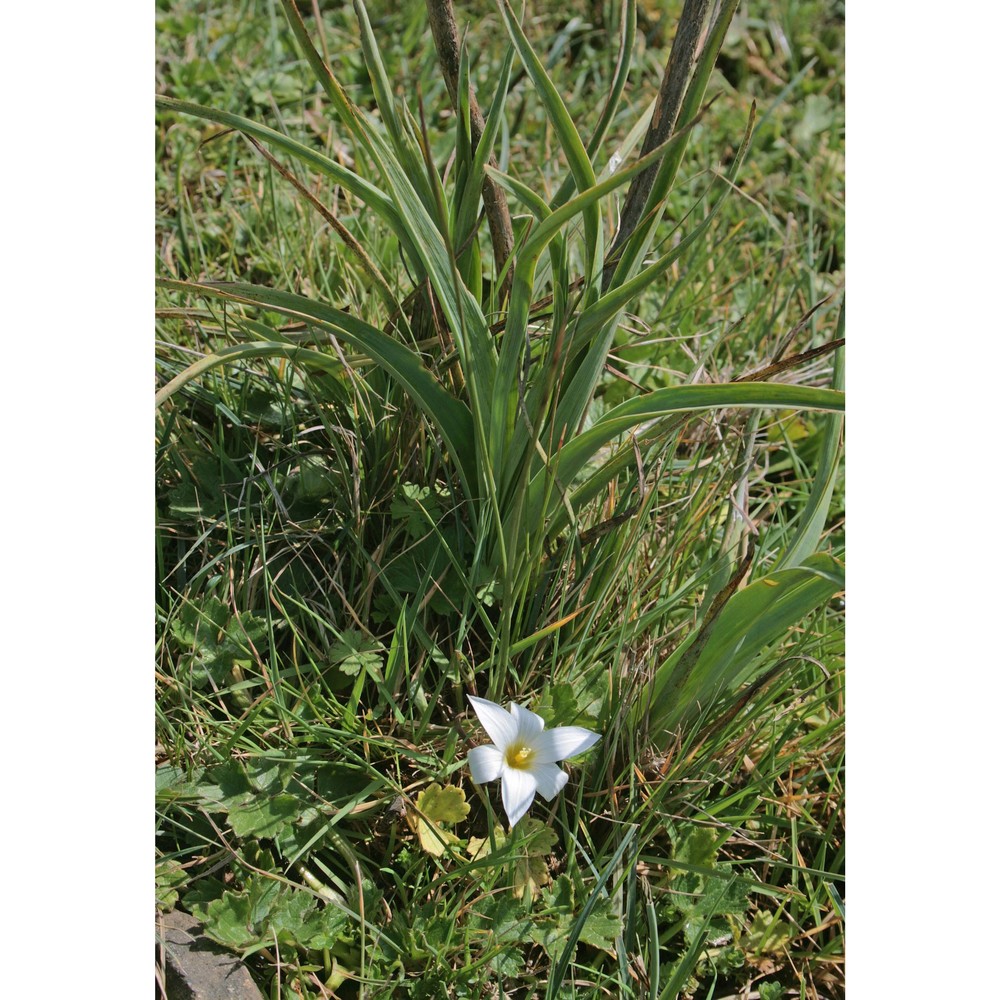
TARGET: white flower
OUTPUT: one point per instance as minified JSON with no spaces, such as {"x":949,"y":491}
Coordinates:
{"x":524,"y":754}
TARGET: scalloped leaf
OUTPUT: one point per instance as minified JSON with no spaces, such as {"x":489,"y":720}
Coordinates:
{"x":436,"y":807}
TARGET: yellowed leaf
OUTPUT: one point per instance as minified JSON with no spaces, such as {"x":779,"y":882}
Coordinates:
{"x":436,"y":808}
{"x":479,"y":847}
{"x":530,"y":874}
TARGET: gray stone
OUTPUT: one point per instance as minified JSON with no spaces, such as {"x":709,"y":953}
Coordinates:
{"x":196,"y":967}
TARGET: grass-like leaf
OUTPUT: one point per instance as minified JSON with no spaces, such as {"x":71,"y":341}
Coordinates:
{"x":445,"y":412}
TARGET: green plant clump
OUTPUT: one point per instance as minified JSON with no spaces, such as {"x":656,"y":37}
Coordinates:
{"x":500,"y":353}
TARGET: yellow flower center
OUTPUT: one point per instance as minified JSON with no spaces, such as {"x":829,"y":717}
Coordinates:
{"x":520,"y":757}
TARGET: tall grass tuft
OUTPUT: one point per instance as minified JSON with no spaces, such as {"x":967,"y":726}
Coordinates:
{"x":418,"y":456}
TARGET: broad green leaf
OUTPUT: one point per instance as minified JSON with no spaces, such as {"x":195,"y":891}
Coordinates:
{"x":216,"y":639}
{"x":325,"y":927}
{"x":502,"y":916}
{"x":531,"y":873}
{"x":271,"y":771}
{"x":355,"y":652}
{"x":769,"y":934}
{"x":289,"y":916}
{"x":602,"y":927}
{"x":597,"y":894}
{"x":698,"y":846}
{"x":174,"y":785}
{"x":772,"y":990}
{"x":480,"y":847}
{"x":297,"y":919}
{"x":443,"y":805}
{"x":230,"y":921}
{"x":264,"y":816}
{"x":550,"y":934}
{"x":200,"y":623}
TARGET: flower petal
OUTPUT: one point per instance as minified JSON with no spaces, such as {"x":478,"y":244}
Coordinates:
{"x":550,"y":779}
{"x":485,"y":763}
{"x":528,"y":724}
{"x":501,"y":727}
{"x":518,"y":791}
{"x":562,"y":742}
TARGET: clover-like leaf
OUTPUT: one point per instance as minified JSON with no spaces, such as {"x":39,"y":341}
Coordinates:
{"x":417,"y":507}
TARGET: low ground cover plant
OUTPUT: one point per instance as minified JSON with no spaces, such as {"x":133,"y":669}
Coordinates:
{"x":500,"y":532}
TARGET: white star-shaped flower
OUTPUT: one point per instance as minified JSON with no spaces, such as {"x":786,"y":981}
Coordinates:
{"x":524,"y":754}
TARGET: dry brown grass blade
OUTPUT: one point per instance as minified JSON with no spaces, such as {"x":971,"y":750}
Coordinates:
{"x":341,"y":230}
{"x":765,"y":374}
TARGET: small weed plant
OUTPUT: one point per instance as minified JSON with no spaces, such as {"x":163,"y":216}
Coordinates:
{"x":486,"y":372}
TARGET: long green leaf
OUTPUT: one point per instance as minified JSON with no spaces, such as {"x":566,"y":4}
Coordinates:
{"x":677,"y":399}
{"x":462,"y":312}
{"x":401,"y":135}
{"x":598,"y":891}
{"x":810,"y":529}
{"x":469,"y":205}
{"x":618,"y":297}
{"x":375,"y":199}
{"x":753,"y":619}
{"x":448,"y":414}
{"x":618,"y":81}
{"x":380,"y":82}
{"x":515,"y":331}
{"x":603,"y":315}
{"x":349,"y":113}
{"x":562,"y":122}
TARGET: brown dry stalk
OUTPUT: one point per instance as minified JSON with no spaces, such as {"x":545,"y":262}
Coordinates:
{"x":668,"y":105}
{"x":442,"y":18}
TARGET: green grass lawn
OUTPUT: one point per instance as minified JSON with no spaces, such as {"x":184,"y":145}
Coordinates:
{"x":392,"y":474}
